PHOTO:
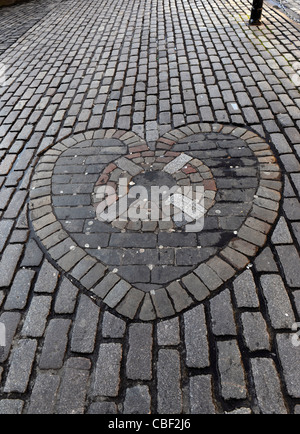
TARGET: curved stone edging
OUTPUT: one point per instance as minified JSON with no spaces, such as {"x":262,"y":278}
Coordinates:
{"x":195,"y":286}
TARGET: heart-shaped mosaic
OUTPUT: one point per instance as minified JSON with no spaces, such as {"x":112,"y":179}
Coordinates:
{"x":147,"y":267}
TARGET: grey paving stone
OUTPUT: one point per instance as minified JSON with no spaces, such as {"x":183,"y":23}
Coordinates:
{"x":44,"y":393}
{"x":93,"y":276}
{"x":281,"y":234}
{"x":267,"y":387}
{"x":112,"y":326}
{"x":9,"y":262}
{"x":222,"y":314}
{"x":11,"y":406}
{"x":168,"y":332}
{"x":201,"y":400}
{"x":196,"y":342}
{"x":245,"y":290}
{"x":66,"y":297}
{"x":85,"y":326}
{"x":55,"y":343}
{"x":5,"y":230}
{"x":102,"y":408}
{"x":232,"y":375}
{"x":47,"y":279}
{"x":139,"y":357}
{"x":107,"y":374}
{"x":131,"y":302}
{"x":18,"y":294}
{"x":33,"y":255}
{"x":208,"y":277}
{"x":289,"y":359}
{"x":117,"y":293}
{"x":137,"y":400}
{"x":11,"y":321}
{"x":74,"y":386}
{"x":20,"y":367}
{"x":290,"y":260}
{"x":195,"y":286}
{"x":278,"y":303}
{"x":255,"y":331}
{"x":179,"y":296}
{"x":162,"y":303}
{"x":169,"y":393}
{"x":106,"y":284}
{"x":265,"y":261}
{"x":36,"y":317}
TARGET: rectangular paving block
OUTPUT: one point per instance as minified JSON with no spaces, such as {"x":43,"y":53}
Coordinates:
{"x":267,"y":386}
{"x":169,"y":394}
{"x":44,"y":393}
{"x":20,"y":367}
{"x":18,"y":294}
{"x":278,"y":303}
{"x":290,"y":260}
{"x":139,"y":358}
{"x":107,"y":373}
{"x":196,"y":342}
{"x":201,"y":400}
{"x":55,"y":343}
{"x":36,"y":317}
{"x":9,"y":262}
{"x":74,"y":386}
{"x":85,"y":326}
{"x":232,"y":375}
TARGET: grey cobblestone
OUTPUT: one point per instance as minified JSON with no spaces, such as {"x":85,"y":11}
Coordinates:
{"x":139,"y":358}
{"x":267,"y":387}
{"x":197,"y":351}
{"x":56,"y":339}
{"x":231,"y":370}
{"x":107,"y":375}
{"x":20,"y":367}
{"x":85,"y":326}
{"x":74,"y":384}
{"x":201,"y":401}
{"x":168,"y":382}
{"x":43,"y":396}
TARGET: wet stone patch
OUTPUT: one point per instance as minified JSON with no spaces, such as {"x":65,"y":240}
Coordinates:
{"x":146,"y":269}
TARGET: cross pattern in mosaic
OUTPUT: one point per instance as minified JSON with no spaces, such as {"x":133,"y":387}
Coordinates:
{"x":153,"y":269}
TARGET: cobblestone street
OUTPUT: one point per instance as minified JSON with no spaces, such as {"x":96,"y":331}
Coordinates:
{"x":139,"y":317}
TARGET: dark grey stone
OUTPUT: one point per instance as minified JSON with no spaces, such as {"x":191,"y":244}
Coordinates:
{"x":169,"y":393}
{"x":278,"y":302}
{"x":139,"y":358}
{"x":74,"y":385}
{"x":201,"y":400}
{"x":20,"y":367}
{"x":85,"y":326}
{"x":231,"y":370}
{"x":222,"y":314}
{"x":137,"y":400}
{"x":18,"y":294}
{"x":43,"y":396}
{"x":107,"y":374}
{"x":55,"y":343}
{"x":196,"y":343}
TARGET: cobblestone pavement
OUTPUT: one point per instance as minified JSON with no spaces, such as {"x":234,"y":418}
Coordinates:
{"x":137,"y":318}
